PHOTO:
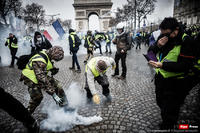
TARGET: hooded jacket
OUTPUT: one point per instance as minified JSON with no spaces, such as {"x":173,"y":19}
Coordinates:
{"x":186,"y":57}
{"x":38,"y":46}
{"x":123,"y":42}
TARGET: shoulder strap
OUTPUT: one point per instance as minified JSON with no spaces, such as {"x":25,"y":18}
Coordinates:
{"x":43,"y":56}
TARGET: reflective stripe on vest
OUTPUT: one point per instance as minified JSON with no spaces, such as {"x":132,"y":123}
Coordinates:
{"x":89,"y":43}
{"x":172,"y":56}
{"x":29,"y":72}
{"x":107,"y":40}
{"x":92,"y":66}
{"x":197,"y":65}
{"x":13,"y":45}
{"x":97,"y":36}
{"x":73,"y":38}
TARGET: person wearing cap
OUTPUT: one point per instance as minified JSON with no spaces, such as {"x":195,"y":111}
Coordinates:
{"x":95,"y":70}
{"x":35,"y":76}
{"x":123,"y":44}
{"x":11,"y":42}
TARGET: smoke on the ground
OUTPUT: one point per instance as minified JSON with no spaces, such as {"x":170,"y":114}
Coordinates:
{"x":59,"y":120}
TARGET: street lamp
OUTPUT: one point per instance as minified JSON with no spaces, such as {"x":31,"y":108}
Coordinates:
{"x":53,"y":15}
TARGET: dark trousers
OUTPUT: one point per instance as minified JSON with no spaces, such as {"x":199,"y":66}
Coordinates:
{"x":138,"y":44}
{"x":170,"y":95}
{"x":103,"y":81}
{"x":99,"y":46}
{"x":75,"y":60}
{"x":14,"y":108}
{"x":119,"y":56}
{"x":13,"y":52}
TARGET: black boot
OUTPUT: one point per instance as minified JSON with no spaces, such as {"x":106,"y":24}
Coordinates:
{"x":115,"y":74}
{"x":33,"y":128}
{"x":122,"y":77}
{"x":72,"y":68}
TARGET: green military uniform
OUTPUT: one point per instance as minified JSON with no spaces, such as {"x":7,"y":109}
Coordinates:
{"x":36,"y":78}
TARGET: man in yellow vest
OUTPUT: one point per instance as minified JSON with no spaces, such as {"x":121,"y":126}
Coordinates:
{"x":96,"y":71}
{"x":11,"y":42}
{"x":175,"y":58}
{"x":90,"y":45}
{"x":196,"y":69}
{"x":98,"y":39}
{"x":108,"y":43}
{"x":35,"y":76}
{"x":73,"y":50}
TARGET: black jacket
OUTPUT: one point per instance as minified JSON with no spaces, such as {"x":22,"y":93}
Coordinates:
{"x":123,"y":42}
{"x":12,"y":40}
{"x":186,"y":57}
{"x":71,"y":48}
{"x":45,"y":44}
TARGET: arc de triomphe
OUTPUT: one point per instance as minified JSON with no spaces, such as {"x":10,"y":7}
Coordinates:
{"x":85,"y":8}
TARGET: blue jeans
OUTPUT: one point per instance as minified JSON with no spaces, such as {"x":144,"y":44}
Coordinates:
{"x":75,"y":60}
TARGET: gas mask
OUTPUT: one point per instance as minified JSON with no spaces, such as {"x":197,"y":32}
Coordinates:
{"x":39,"y":39}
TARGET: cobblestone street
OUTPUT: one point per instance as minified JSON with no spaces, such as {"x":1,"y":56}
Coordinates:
{"x":133,"y":108}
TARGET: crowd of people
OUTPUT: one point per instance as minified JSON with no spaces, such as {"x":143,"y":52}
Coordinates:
{"x":177,"y":65}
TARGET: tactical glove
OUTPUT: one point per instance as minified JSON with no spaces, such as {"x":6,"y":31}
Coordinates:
{"x":57,"y":99}
{"x":54,"y":71}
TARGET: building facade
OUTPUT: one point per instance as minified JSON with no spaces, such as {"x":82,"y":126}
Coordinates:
{"x":85,"y":8}
{"x":187,"y":11}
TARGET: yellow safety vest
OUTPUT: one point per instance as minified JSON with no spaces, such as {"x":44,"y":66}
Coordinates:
{"x":107,"y":39}
{"x":172,"y":56}
{"x":83,"y":37}
{"x":97,"y":36}
{"x":92,"y":66}
{"x":13,"y":45}
{"x":73,"y":39}
{"x":89,"y":43}
{"x":29,"y":72}
{"x":197,"y":65}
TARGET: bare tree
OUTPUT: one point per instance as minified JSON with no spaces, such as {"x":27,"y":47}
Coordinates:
{"x":67,"y":24}
{"x":112,"y":22}
{"x":34,"y":14}
{"x":6,"y":6}
{"x":135,"y":10}
{"x":144,"y":8}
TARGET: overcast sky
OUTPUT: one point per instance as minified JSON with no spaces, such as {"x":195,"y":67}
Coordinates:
{"x":164,"y":8}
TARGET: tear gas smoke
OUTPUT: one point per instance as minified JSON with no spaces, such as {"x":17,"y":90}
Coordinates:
{"x":24,"y":45}
{"x":59,"y":120}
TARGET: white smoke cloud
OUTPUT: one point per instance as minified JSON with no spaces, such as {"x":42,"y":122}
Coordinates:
{"x":59,"y":120}
{"x":19,"y":31}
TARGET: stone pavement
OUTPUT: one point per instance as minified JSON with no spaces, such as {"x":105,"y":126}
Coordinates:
{"x":133,"y":108}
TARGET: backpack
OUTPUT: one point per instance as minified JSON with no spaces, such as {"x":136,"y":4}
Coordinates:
{"x":24,"y":59}
{"x":77,"y":40}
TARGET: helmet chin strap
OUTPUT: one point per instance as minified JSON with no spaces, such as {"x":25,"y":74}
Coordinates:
{"x":119,"y":34}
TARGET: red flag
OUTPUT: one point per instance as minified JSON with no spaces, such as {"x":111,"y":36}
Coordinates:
{"x":46,"y":34}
